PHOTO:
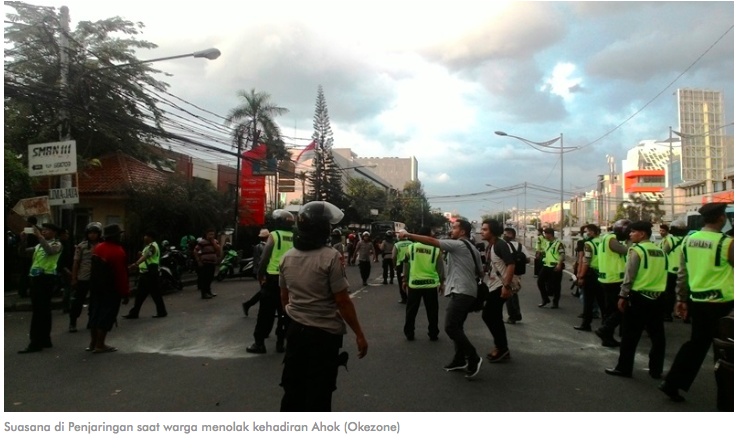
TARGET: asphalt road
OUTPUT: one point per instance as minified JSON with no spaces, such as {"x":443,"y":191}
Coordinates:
{"x":195,"y":361}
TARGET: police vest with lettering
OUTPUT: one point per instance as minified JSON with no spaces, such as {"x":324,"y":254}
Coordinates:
{"x":43,"y":263}
{"x":676,"y":247}
{"x":423,"y":272}
{"x":652,"y":275}
{"x":594,"y":245}
{"x":282,"y":243}
{"x":710,"y":276}
{"x":552,"y":254}
{"x":402,"y":248}
{"x":611,"y":263}
{"x":541,"y":244}
{"x":155,"y":259}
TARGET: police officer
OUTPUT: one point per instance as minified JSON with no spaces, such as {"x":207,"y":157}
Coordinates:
{"x":279,"y":242}
{"x":549,"y":278}
{"x":705,"y":292}
{"x":672,"y":245}
{"x":424,"y":275}
{"x":148,"y":265}
{"x":641,"y":301}
{"x":315,"y":293}
{"x":400,"y":248}
{"x":540,"y":245}
{"x":386,"y":248}
{"x":612,"y":259}
{"x":42,"y":281}
{"x":588,"y":276}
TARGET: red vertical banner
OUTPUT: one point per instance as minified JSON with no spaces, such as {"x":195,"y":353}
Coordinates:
{"x":252,"y":190}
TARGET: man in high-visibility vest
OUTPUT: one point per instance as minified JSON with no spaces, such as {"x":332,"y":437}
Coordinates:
{"x":148,"y":266}
{"x":549,"y":278}
{"x":588,"y":276}
{"x":424,"y":275}
{"x":398,"y":257}
{"x":279,"y":242}
{"x":612,"y":259}
{"x":540,"y":245}
{"x":641,"y":301}
{"x":705,"y":292}
{"x":42,"y":281}
{"x":672,"y":245}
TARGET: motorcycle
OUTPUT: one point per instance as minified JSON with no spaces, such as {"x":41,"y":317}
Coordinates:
{"x":232,"y":260}
{"x":168,"y":268}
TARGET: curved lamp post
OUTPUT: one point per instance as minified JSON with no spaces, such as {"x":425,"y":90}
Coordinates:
{"x":209,"y":53}
{"x":547,"y":147}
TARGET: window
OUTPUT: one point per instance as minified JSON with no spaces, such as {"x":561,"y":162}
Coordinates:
{"x":113,"y":219}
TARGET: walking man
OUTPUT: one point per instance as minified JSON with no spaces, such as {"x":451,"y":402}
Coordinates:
{"x":461,"y":285}
{"x":424,"y":276}
{"x":588,"y":277}
{"x":705,"y":293}
{"x":672,"y":245}
{"x":81,"y":272}
{"x":641,"y":301}
{"x":550,"y":276}
{"x":207,"y":253}
{"x":386,"y":247}
{"x":147,"y":265}
{"x":398,"y":258}
{"x":513,"y":303}
{"x":365,"y":252}
{"x":612,"y":259}
{"x":500,"y":274}
{"x":257,"y":252}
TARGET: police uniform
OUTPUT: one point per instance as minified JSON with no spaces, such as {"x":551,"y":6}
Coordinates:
{"x":148,"y":283}
{"x":706,"y":284}
{"x":424,"y":275}
{"x":611,"y":276}
{"x":643,"y":289}
{"x":541,"y":244}
{"x":672,"y":245}
{"x":398,"y":253}
{"x":592,"y":289}
{"x":549,"y":280}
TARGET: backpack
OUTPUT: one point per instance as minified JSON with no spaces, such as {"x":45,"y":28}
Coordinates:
{"x":520,"y":259}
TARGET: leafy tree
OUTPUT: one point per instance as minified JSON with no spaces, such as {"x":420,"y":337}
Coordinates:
{"x":17,"y":182}
{"x":254,"y":117}
{"x":411,"y":206}
{"x":103,"y":107}
{"x":363,"y":196}
{"x":637,"y":208}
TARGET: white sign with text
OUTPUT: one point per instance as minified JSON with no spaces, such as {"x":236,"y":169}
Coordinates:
{"x":52,"y":158}
{"x":57,"y":197}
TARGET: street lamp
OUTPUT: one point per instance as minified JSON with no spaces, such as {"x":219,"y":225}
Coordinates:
{"x":209,"y":53}
{"x":540,"y":146}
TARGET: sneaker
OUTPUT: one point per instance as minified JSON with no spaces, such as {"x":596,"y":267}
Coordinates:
{"x":498,"y":355}
{"x":473,"y":368}
{"x":256,"y":349}
{"x":456,"y":365}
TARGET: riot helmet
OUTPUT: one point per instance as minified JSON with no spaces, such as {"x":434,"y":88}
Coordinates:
{"x":621,"y":229}
{"x":283,"y":220}
{"x":94,"y":227}
{"x":679,"y":227}
{"x":313,"y":224}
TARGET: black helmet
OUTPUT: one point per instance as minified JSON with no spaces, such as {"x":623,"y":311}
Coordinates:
{"x":94,"y":227}
{"x":389,"y":234}
{"x":621,"y":229}
{"x":283,"y":219}
{"x":313,"y":224}
{"x":336,"y":232}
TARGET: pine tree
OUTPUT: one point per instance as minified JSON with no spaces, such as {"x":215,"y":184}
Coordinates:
{"x":325,"y":180}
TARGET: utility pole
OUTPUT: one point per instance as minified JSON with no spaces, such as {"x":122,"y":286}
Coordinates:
{"x":66,"y":213}
{"x":670,"y":173}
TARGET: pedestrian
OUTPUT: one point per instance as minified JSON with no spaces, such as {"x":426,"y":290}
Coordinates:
{"x":42,"y":275}
{"x":338,"y":244}
{"x":26,"y":261}
{"x":109,"y":286}
{"x":641,"y":301}
{"x":148,"y":267}
{"x":351,"y":245}
{"x":257,"y":252}
{"x":365,"y":252}
{"x":82,"y":270}
{"x":279,"y":242}
{"x":500,"y":267}
{"x":422,"y":281}
{"x":612,"y":258}
{"x":672,"y":245}
{"x":551,"y":275}
{"x":386,"y":247}
{"x":461,"y":287}
{"x":400,"y":248}
{"x":705,"y":293}
{"x":587,"y":277}
{"x":315,"y":293}
{"x":514,"y":314}
{"x":64,"y":266}
{"x":207,"y":253}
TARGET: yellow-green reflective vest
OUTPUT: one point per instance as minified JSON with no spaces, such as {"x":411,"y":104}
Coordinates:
{"x":282,"y":243}
{"x":43,"y":263}
{"x":154,"y":259}
{"x":652,"y":276}
{"x":594,"y":244}
{"x":423,"y":272}
{"x":676,"y":247}
{"x":710,"y":276}
{"x":611,"y":263}
{"x":401,"y":248}
{"x":541,"y":244}
{"x":552,"y":256}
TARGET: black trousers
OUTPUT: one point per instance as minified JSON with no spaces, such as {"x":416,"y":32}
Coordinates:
{"x":492,"y":317}
{"x":513,"y":308}
{"x":456,"y":313}
{"x":549,"y":284}
{"x":611,"y":317}
{"x":642,"y":314}
{"x":593,"y":293}
{"x":42,"y":288}
{"x":270,"y":310}
{"x":690,"y":357}
{"x":399,"y":272}
{"x":387,"y":267}
{"x":148,"y":285}
{"x":310,"y":369}
{"x":77,"y":301}
{"x":365,"y":267}
{"x":429,"y":296}
{"x":205,"y":278}
{"x":670,"y":297}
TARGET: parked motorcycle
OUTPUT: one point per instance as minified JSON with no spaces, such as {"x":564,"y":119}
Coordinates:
{"x":233,"y":265}
{"x":169,"y":267}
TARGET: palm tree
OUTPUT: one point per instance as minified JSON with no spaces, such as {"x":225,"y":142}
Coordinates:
{"x":257,"y":112}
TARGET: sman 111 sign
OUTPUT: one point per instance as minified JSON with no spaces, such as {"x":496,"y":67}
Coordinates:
{"x":52,"y":158}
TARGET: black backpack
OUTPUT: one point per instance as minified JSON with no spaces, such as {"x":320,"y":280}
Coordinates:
{"x":520,"y":259}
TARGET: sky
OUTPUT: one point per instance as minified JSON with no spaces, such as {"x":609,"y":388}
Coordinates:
{"x":436,"y":79}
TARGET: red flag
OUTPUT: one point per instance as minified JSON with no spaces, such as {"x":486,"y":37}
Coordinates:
{"x":256,"y":153}
{"x":308,"y":152}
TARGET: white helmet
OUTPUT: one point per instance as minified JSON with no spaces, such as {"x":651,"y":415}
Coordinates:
{"x":365,"y":233}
